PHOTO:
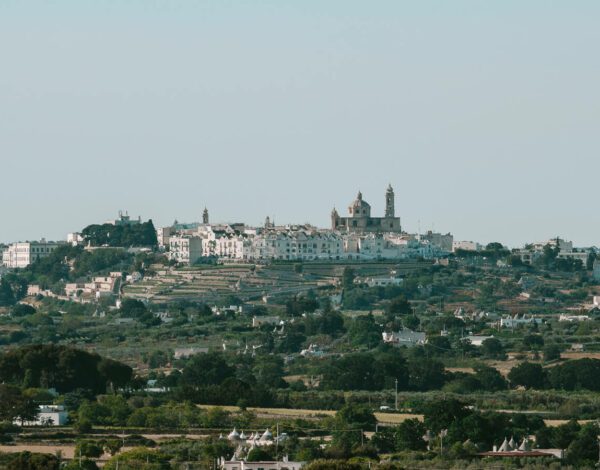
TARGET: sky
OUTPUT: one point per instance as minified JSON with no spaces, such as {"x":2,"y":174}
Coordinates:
{"x":484,"y":116}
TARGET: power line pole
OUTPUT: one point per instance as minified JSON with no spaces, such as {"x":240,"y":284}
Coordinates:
{"x":396,"y":395}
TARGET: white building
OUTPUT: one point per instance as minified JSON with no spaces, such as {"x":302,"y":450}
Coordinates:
{"x":572,"y":318}
{"x":517,"y":320}
{"x":476,"y":340}
{"x":100,"y":286}
{"x":466,"y":246}
{"x":48,"y":415}
{"x":439,"y":240}
{"x":22,"y":254}
{"x":261,"y":465}
{"x":185,"y":249}
{"x":380,"y":281}
{"x":75,"y":238}
{"x":163,"y":234}
{"x":296,"y":243}
{"x":182,"y":353}
{"x":405,"y":337}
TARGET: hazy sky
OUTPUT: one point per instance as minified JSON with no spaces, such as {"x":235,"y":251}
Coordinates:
{"x":484,"y":116}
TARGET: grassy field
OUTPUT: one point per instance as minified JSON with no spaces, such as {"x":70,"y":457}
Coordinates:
{"x":274,"y":413}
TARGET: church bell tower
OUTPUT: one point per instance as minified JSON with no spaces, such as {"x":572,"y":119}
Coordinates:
{"x":389,"y":202}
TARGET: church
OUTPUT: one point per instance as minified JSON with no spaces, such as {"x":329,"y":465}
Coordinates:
{"x":359,"y":218}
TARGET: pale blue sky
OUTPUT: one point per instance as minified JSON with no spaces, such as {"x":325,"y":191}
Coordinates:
{"x":483,"y":115}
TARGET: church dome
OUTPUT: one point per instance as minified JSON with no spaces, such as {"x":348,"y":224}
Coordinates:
{"x":360,"y":207}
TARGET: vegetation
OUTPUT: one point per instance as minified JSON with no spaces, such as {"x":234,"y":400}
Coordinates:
{"x":142,"y":368}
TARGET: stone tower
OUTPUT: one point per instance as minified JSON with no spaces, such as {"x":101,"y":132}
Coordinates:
{"x":334,"y":219}
{"x":205,"y":216}
{"x":389,"y":202}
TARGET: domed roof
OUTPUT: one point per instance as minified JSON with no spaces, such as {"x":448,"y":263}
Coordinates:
{"x":360,"y":207}
{"x":267,"y":436}
{"x":359,"y":202}
{"x":233,"y":435}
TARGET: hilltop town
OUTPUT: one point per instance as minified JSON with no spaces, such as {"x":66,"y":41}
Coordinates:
{"x":205,"y":345}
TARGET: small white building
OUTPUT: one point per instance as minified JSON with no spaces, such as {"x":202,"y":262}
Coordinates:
{"x":465,"y":245}
{"x":405,"y":337}
{"x":517,"y":320}
{"x":181,"y":353}
{"x":266,"y":465}
{"x":380,"y":281}
{"x":48,"y":415}
{"x":573,"y":318}
{"x":476,"y":340}
{"x":266,"y":320}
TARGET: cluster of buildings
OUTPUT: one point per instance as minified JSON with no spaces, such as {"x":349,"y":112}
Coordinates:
{"x":512,"y":449}
{"x":531,"y":253}
{"x":359,"y":236}
{"x":98,"y":287}
{"x":245,"y":443}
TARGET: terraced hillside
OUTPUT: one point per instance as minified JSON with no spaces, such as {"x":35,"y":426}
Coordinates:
{"x":208,"y":284}
{"x":249,"y":282}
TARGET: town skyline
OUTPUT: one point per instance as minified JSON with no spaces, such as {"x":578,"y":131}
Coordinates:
{"x":378,"y":209}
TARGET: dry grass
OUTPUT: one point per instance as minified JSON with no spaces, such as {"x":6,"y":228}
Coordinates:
{"x":580,"y":355}
{"x":66,"y":450}
{"x":464,"y":370}
{"x":558,"y":422}
{"x":384,"y":418}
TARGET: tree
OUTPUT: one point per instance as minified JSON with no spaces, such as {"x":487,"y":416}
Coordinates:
{"x":528,"y":375}
{"x":139,"y":458}
{"x":563,"y":435}
{"x":409,"y":435}
{"x":22,"y":310}
{"x":56,"y":366}
{"x":269,"y":371}
{"x":29,"y":461}
{"x":384,"y":440}
{"x":132,"y":308}
{"x":426,"y":374}
{"x":88,"y":449}
{"x":348,"y":277}
{"x":398,"y":306}
{"x":299,"y":305}
{"x":351,"y":372}
{"x":533,"y":342}
{"x":258,"y":454}
{"x":143,"y":234}
{"x":576,"y":374}
{"x":490,"y":379}
{"x":350,"y":423}
{"x":552,"y":352}
{"x":13,"y":288}
{"x":492,"y":348}
{"x":15,"y":405}
{"x":206,"y":369}
{"x":583,"y":450}
{"x":116,"y":373}
{"x":441,"y":414}
{"x":364,"y":331}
